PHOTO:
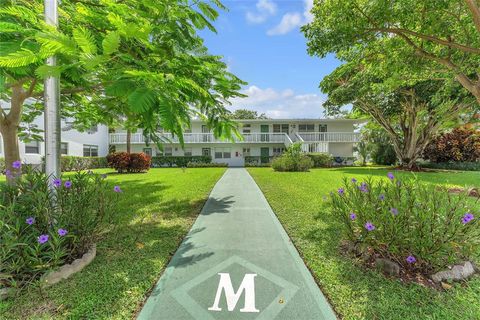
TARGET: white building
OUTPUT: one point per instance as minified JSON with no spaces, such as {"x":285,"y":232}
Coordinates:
{"x":262,"y":139}
{"x":94,"y":142}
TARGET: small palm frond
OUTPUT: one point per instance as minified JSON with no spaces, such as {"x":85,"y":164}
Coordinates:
{"x":85,"y":40}
{"x":21,"y":58}
{"x":110,"y":43}
{"x":141,"y":100}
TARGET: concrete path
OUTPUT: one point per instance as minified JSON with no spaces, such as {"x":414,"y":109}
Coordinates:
{"x":237,"y":262}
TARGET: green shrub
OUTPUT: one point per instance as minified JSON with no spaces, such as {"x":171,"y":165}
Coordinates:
{"x":465,"y":166}
{"x":205,"y":165}
{"x":73,"y":163}
{"x":257,"y":164}
{"x":400,"y":219}
{"x":178,"y":161}
{"x":321,"y":160}
{"x":42,"y":229}
{"x":253,"y":160}
{"x":383,"y":154}
{"x":292,"y":160}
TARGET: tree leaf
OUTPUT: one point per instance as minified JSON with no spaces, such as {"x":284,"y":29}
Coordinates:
{"x":110,"y":43}
{"x":141,"y":100}
{"x":21,"y":58}
{"x":85,"y":40}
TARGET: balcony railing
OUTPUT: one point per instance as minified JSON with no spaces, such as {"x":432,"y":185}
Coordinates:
{"x":330,"y":136}
{"x":121,"y":138}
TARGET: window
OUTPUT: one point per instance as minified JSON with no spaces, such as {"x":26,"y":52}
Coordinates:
{"x":32,"y":147}
{"x":147,"y":151}
{"x":278,"y":151}
{"x":306,"y":128}
{"x":246,"y":152}
{"x":278,"y":128}
{"x":64,"y":148}
{"x":223,"y":153}
{"x":187,"y":152}
{"x":90,"y":150}
{"x":167,"y":151}
{"x":322,"y":128}
{"x":247,"y":128}
{"x":206,"y":152}
{"x":188,"y":130}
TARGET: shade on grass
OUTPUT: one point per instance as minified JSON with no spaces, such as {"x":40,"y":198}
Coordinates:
{"x":156,"y":211}
{"x":356,"y":293}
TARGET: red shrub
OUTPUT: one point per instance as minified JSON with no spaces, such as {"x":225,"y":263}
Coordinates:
{"x":462,"y":145}
{"x":125,"y":162}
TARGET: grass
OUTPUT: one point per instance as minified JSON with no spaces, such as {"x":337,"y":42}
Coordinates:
{"x":157,"y":210}
{"x":353,"y":291}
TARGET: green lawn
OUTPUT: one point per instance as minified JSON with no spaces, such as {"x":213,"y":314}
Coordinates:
{"x":354,"y":292}
{"x":157,"y":210}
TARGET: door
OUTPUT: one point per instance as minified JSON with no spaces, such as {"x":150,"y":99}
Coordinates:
{"x":264,"y":155}
{"x":264,"y":136}
{"x":205,"y":135}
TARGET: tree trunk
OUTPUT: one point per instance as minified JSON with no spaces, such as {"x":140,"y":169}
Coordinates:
{"x":129,"y":141}
{"x":10,"y":144}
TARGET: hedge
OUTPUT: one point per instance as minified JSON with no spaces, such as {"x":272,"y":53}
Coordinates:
{"x":73,"y":163}
{"x":206,"y":165}
{"x":178,"y":161}
{"x":321,"y":160}
{"x":465,"y":166}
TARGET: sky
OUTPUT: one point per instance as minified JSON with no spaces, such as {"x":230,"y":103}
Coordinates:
{"x":261,"y":42}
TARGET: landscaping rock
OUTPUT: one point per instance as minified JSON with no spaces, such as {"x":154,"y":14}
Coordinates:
{"x":67,"y":270}
{"x":5,"y":293}
{"x":457,"y":273}
{"x":387,"y":266}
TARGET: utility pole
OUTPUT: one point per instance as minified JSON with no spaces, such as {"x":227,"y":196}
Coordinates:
{"x":52,"y":105}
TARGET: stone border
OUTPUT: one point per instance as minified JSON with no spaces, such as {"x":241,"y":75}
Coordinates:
{"x":67,"y":270}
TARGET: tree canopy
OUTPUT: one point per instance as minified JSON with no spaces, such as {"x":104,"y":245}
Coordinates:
{"x":248,"y":114}
{"x":147,"y":55}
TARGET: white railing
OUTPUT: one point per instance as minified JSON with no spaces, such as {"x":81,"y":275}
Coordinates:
{"x":330,"y":136}
{"x":315,"y":147}
{"x":121,"y":138}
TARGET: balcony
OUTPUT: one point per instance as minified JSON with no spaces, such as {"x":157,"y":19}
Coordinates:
{"x":138,"y":138}
{"x":329,"y":136}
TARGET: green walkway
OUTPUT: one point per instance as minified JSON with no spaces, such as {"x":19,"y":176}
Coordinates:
{"x":237,"y":262}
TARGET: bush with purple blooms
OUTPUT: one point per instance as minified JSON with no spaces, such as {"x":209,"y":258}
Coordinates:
{"x":43,"y":228}
{"x":420,"y":226}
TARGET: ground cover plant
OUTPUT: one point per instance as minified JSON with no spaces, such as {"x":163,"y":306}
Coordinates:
{"x":43,"y":228}
{"x":356,"y":292}
{"x":420,"y":226}
{"x":155,"y":211}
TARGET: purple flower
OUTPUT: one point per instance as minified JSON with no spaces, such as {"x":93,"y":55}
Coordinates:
{"x":381,"y":197}
{"x":341,"y":191}
{"x":62,"y":232}
{"x":390,"y":176}
{"x":30,"y":220}
{"x":354,"y":180}
{"x":8,"y":173}
{"x":68,"y":184}
{"x":353,"y":216}
{"x":394,"y":211}
{"x":57,"y":182}
{"x":17,"y":164}
{"x":363,"y":187}
{"x":411,"y":259}
{"x":369,"y":226}
{"x":42,"y":239}
{"x":467,"y":218}
{"x":117,"y":189}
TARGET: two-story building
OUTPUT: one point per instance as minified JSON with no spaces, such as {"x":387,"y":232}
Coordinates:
{"x":262,"y":139}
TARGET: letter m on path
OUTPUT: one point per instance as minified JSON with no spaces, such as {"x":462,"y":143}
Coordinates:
{"x":247,"y":285}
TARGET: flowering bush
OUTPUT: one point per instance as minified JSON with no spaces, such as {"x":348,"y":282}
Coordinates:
{"x":42,"y":228}
{"x":129,"y":162}
{"x":461,"y":145}
{"x":417,"y":225}
{"x":292,"y":160}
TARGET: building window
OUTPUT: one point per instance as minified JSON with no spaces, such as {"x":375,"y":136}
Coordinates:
{"x":147,"y":151}
{"x":167,"y":151}
{"x":64,"y":148}
{"x":306,"y":128}
{"x":90,"y":150}
{"x":32,"y":147}
{"x":246,"y":152}
{"x":206,"y":152}
{"x":187,"y":152}
{"x":322,"y":128}
{"x":280,"y":128}
{"x":247,"y":128}
{"x":278,"y":151}
{"x":223,"y":153}
{"x":189,"y":130}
